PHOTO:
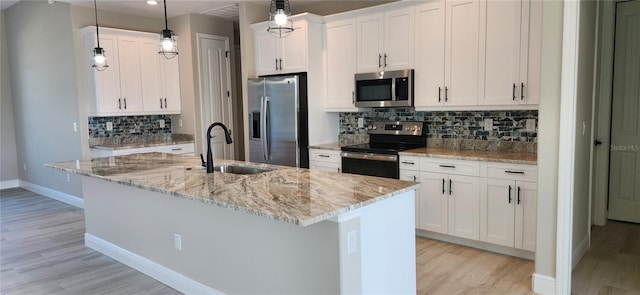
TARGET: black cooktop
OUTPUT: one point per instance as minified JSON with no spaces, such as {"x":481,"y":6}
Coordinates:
{"x":392,"y":137}
{"x":380,"y":148}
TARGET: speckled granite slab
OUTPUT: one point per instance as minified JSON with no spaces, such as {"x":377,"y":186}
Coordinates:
{"x":138,"y":141}
{"x":489,"y":156}
{"x":292,"y":195}
{"x":334,"y":146}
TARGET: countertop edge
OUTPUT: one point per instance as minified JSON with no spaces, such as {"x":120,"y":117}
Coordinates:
{"x":139,"y":145}
{"x":469,"y":158}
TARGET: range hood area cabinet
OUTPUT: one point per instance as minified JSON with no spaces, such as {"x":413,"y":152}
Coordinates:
{"x":138,"y":81}
{"x":291,"y":54}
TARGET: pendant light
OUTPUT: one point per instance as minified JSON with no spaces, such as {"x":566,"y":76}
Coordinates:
{"x":280,"y":23}
{"x":168,"y":44}
{"x":99,"y":59}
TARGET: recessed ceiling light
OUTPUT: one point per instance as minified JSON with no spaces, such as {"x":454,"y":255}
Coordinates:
{"x":152,"y":2}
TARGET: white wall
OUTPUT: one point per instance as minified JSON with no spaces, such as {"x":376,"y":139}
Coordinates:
{"x":8,"y":153}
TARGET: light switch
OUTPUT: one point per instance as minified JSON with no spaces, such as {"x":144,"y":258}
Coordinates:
{"x":352,"y":242}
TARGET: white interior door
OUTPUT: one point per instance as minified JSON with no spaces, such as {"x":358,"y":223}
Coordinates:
{"x":624,"y":176}
{"x":215,"y":91}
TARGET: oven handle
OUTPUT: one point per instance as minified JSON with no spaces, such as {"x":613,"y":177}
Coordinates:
{"x":370,"y":156}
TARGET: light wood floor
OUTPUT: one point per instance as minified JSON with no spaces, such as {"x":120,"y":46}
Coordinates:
{"x":42,"y":252}
{"x":612,"y":264}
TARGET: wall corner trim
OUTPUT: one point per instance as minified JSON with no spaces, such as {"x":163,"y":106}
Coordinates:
{"x":53,"y":194}
{"x":542,"y":284}
{"x":13,"y":183}
{"x":163,"y":274}
{"x":579,"y":251}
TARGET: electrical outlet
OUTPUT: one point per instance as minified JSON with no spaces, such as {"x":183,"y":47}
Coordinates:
{"x":109,"y":126}
{"x":531,"y":125}
{"x":360,"y":122}
{"x":177,"y":241}
{"x":180,"y":122}
{"x":161,"y":122}
{"x":68,"y":177}
{"x":75,"y":127}
{"x":24,"y":166}
{"x":352,"y":242}
{"x":488,"y":124}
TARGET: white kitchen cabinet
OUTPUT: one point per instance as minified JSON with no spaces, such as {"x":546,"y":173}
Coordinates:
{"x":448,"y":32}
{"x":170,"y":80}
{"x":160,"y":79}
{"x":511,"y":206}
{"x":340,"y":65}
{"x":385,"y":40}
{"x":183,"y":149}
{"x":130,"y":74}
{"x":275,"y":55}
{"x":410,"y":175}
{"x":504,"y":50}
{"x":325,"y":160}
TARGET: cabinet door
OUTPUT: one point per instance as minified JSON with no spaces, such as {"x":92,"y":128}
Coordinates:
{"x":150,"y":75}
{"x":533,"y":57}
{"x":461,"y":50}
{"x":429,"y":64}
{"x":130,"y":79}
{"x":293,"y":49}
{"x":434,"y":207}
{"x":265,"y":55}
{"x":398,"y":39}
{"x":464,"y":206}
{"x":414,"y":176}
{"x":370,"y":43}
{"x":340,"y":38}
{"x":170,"y":79}
{"x":501,"y":200}
{"x":526,"y":215}
{"x":108,"y":81}
{"x":501,"y":75}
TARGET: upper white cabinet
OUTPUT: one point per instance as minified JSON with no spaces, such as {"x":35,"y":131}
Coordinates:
{"x":138,"y":80}
{"x":385,"y":39}
{"x":509,"y":61}
{"x":447,"y":53}
{"x":340,"y":65}
{"x":284,"y":55}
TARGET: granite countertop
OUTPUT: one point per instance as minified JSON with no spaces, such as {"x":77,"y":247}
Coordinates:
{"x":474,"y":155}
{"x":132,"y":142}
{"x":293,"y":195}
{"x":334,"y":146}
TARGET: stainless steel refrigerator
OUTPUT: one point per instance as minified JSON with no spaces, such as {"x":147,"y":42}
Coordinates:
{"x":278,"y":120}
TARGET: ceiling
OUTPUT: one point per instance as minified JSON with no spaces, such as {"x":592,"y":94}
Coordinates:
{"x":221,"y":8}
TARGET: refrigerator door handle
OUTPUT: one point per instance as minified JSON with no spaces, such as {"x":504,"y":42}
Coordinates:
{"x":264,"y":128}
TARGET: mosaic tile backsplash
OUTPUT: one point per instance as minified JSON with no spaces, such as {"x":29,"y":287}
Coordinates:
{"x":129,"y":125}
{"x":465,"y":125}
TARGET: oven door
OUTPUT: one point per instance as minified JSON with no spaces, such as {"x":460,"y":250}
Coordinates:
{"x":381,"y":165}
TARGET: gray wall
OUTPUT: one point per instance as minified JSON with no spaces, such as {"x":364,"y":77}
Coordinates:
{"x":43,"y":80}
{"x":8,"y":154}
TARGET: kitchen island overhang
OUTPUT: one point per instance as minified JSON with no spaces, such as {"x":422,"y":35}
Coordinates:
{"x":325,"y":233}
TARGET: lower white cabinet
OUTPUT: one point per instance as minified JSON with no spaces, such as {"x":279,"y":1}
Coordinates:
{"x":325,"y":160}
{"x":183,"y":149}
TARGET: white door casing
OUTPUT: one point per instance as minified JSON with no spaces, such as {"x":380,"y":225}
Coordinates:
{"x":624,"y":166}
{"x":215,"y":91}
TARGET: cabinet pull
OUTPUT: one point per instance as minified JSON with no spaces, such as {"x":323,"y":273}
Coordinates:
{"x":165,"y":102}
{"x":509,"y":194}
{"x":439,"y":94}
{"x":176,"y":149}
{"x":447,"y":166}
{"x":518,"y":196}
{"x":125,"y":103}
{"x":353,"y":97}
{"x":379,"y":60}
{"x":280,"y":63}
{"x":119,"y":103}
{"x":443,"y":181}
{"x":450,"y":184}
{"x":160,"y":102}
{"x":339,"y":170}
{"x":446,"y":94}
{"x":408,"y":163}
{"x":415,"y":178}
{"x":521,"y":91}
{"x":513,"y":92}
{"x":385,"y":60}
{"x":514,"y":172}
{"x":276,"y":64}
{"x":324,"y":156}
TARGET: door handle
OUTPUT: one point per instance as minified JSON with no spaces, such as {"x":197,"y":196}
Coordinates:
{"x":513,"y":92}
{"x":408,"y":163}
{"x":276,"y":64}
{"x":280,"y":63}
{"x":518,"y":201}
{"x":447,"y":166}
{"x":266,"y":128}
{"x":415,"y":178}
{"x":125,"y":103}
{"x":165,"y":102}
{"x":119,"y":103}
{"x":263,"y":129}
{"x":514,"y":172}
{"x":439,"y":94}
{"x":385,"y":60}
{"x":521,"y":91}
{"x":509,"y":194}
{"x":443,"y":181}
{"x":353,"y":97}
{"x":450,"y":183}
{"x":160,"y":102}
{"x":379,"y":60}
{"x":446,"y":94}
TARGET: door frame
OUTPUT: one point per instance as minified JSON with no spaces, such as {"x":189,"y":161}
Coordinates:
{"x":203,"y":109}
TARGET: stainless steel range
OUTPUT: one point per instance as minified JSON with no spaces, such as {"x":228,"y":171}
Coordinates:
{"x":380,"y":157}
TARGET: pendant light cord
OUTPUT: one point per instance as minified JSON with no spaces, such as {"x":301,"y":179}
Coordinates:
{"x":166,"y":25}
{"x":95,"y":7}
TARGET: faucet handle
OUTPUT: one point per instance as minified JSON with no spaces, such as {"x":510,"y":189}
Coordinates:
{"x":204,"y":164}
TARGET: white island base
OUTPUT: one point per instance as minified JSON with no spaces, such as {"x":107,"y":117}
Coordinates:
{"x":364,"y":251}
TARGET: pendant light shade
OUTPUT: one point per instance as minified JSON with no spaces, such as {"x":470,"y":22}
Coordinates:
{"x":280,"y":24}
{"x":168,"y":43}
{"x":99,"y":58}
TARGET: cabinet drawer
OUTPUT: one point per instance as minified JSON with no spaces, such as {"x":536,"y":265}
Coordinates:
{"x":458,"y":167}
{"x":186,"y":148}
{"x":122,"y":152}
{"x":512,"y":171}
{"x":325,"y":156}
{"x":409,"y":163}
{"x":410,"y":175}
{"x":325,"y":166}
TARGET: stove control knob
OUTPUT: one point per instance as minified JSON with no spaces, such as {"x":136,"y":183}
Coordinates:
{"x":375,"y":127}
{"x":413,"y":128}
{"x":406,"y":128}
{"x":370,"y":127}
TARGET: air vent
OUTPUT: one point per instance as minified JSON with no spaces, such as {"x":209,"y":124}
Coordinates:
{"x":226,"y":12}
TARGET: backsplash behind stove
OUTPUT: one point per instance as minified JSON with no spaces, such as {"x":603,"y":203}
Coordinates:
{"x":464,"y":125}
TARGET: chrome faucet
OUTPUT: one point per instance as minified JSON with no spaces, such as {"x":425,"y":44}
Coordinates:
{"x":227,"y":136}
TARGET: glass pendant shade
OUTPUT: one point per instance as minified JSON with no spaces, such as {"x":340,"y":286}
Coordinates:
{"x":280,"y":24}
{"x":99,"y":59}
{"x":168,"y":43}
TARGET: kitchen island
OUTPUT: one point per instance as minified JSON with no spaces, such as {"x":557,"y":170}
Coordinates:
{"x":283,"y":231}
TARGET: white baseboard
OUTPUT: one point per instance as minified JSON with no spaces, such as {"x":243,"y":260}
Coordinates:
{"x":544,"y":285}
{"x":579,"y":251}
{"x":163,"y":274}
{"x":477,"y":244}
{"x":9,"y":184}
{"x":56,"y":195}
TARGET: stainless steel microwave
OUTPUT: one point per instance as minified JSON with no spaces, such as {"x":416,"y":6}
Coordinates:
{"x":384,"y":89}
